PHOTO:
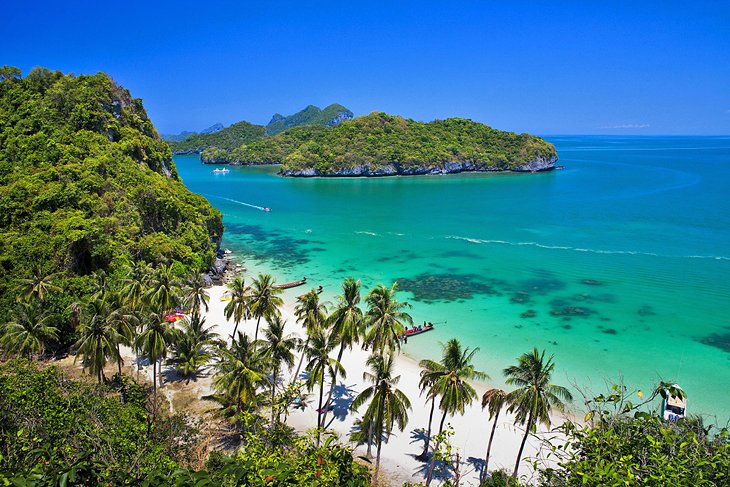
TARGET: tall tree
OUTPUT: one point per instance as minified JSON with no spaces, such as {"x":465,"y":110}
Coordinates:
{"x":164,"y":291}
{"x":278,"y":350}
{"x":535,"y":396}
{"x":386,"y":319}
{"x":429,"y":374}
{"x":265,"y":300}
{"x":311,"y":314}
{"x":99,"y":337}
{"x":388,"y":405}
{"x":194,"y":293}
{"x":449,"y":378}
{"x":191,"y":345}
{"x":135,"y":285}
{"x":29,"y":331}
{"x":493,"y":400}
{"x":346,"y":323}
{"x":239,"y":305}
{"x":318,"y":349}
{"x":153,"y":342}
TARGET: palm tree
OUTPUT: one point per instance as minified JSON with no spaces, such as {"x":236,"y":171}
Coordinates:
{"x":239,"y":305}
{"x":265,"y":300}
{"x":388,"y":405}
{"x":386,"y":318}
{"x":493,"y":400}
{"x":239,"y":374}
{"x":36,"y":286}
{"x":426,"y":383}
{"x":134,"y":285}
{"x":29,"y":331}
{"x":164,"y":292}
{"x":535,"y":397}
{"x":277,"y":350}
{"x":99,"y":337}
{"x":318,"y":348}
{"x":191,"y":345}
{"x":194,"y":293}
{"x":346,"y":323}
{"x":311,"y":314}
{"x":153,"y":343}
{"x":448,"y":378}
{"x":124,"y":321}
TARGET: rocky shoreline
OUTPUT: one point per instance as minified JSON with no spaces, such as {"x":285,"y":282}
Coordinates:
{"x":223,"y":270}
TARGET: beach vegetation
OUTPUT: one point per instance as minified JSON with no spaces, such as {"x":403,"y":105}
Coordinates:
{"x":493,"y":400}
{"x":320,"y":344}
{"x":386,"y":319}
{"x":192,"y":346}
{"x":239,"y":302}
{"x":264,"y":300}
{"x":278,"y":350}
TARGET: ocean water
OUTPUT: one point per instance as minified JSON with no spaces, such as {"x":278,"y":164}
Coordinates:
{"x":619,"y":264}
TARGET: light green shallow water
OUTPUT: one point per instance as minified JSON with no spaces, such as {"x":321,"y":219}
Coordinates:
{"x":623,"y":256}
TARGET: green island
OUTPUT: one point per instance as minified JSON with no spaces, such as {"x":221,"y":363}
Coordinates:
{"x":379,"y":144}
{"x":104,"y":344}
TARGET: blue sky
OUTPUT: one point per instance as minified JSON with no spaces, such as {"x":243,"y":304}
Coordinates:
{"x":559,"y":67}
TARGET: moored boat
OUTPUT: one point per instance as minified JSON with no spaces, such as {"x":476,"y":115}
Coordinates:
{"x":291,"y":284}
{"x":416,"y":330}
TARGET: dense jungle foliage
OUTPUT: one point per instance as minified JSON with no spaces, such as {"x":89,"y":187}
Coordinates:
{"x":378,"y":140}
{"x":86,"y":184}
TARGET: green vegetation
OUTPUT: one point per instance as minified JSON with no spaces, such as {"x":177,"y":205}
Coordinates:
{"x":381,"y":144}
{"x":86,"y":185}
{"x":226,"y":139}
{"x":311,"y":115}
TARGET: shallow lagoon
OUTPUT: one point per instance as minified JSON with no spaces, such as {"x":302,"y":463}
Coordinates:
{"x":619,"y":264}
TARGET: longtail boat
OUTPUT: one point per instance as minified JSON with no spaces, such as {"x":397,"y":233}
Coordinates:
{"x":291,"y":284}
{"x":416,"y":330}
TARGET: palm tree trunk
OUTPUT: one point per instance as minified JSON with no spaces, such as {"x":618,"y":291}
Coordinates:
{"x":489,"y":448}
{"x":443,"y":418}
{"x":256,"y":335}
{"x":98,"y":376}
{"x":428,"y":433}
{"x":319,"y":411}
{"x":233,"y":335}
{"x":522,"y":446}
{"x":301,"y":360}
{"x":273,"y":392}
{"x":370,"y":440}
{"x":119,"y":360}
{"x":381,"y":412}
{"x":431,"y":466}
{"x":332,"y":385}
{"x":154,"y":380}
{"x":160,"y":374}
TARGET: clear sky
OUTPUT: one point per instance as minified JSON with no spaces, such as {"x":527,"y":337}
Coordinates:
{"x":546,"y":67}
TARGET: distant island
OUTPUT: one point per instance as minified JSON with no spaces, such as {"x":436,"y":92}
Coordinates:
{"x":216,"y":127}
{"x":379,"y":144}
{"x":240,"y":133}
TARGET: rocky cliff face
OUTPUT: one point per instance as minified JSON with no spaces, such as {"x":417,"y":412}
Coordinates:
{"x":535,"y":165}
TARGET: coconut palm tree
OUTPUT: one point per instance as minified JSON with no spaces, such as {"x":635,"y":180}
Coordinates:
{"x":311,"y":314}
{"x":493,"y":400}
{"x":317,"y":350}
{"x":385,"y":318}
{"x":239,"y":374}
{"x":194,"y":293}
{"x":134,"y":285}
{"x":99,"y":338}
{"x":29,"y":331}
{"x":239,"y":305}
{"x":429,"y":373}
{"x":449,"y":378}
{"x":534,"y":397}
{"x":388,"y":405}
{"x":153,"y":342}
{"x":265,"y":300}
{"x":164,"y":290}
{"x":36,"y":286}
{"x":277,"y":350}
{"x":191,"y":345}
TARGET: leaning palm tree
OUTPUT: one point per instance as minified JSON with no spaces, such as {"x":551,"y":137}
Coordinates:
{"x":265,"y":300}
{"x":239,"y":305}
{"x":153,"y":342}
{"x":534,"y":397}
{"x":29,"y":331}
{"x":388,"y":405}
{"x":36,"y":286}
{"x":277,"y":350}
{"x":238,"y":375}
{"x":386,"y":319}
{"x":430,"y":371}
{"x":99,"y":338}
{"x":164,"y":292}
{"x":493,"y":400}
{"x":318,"y":349}
{"x":311,"y":314}
{"x":192,"y":344}
{"x":194,"y":293}
{"x":346,"y":323}
{"x":449,"y":378}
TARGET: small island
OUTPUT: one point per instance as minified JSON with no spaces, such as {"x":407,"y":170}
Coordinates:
{"x":379,"y":144}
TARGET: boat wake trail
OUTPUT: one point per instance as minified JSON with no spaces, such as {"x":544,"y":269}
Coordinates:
{"x":262,"y":208}
{"x":580,"y":249}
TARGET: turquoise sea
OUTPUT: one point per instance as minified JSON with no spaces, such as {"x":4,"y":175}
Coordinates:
{"x":619,"y":264}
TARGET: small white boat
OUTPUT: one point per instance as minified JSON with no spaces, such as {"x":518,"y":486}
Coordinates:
{"x":674,"y":403}
{"x":223,"y":171}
